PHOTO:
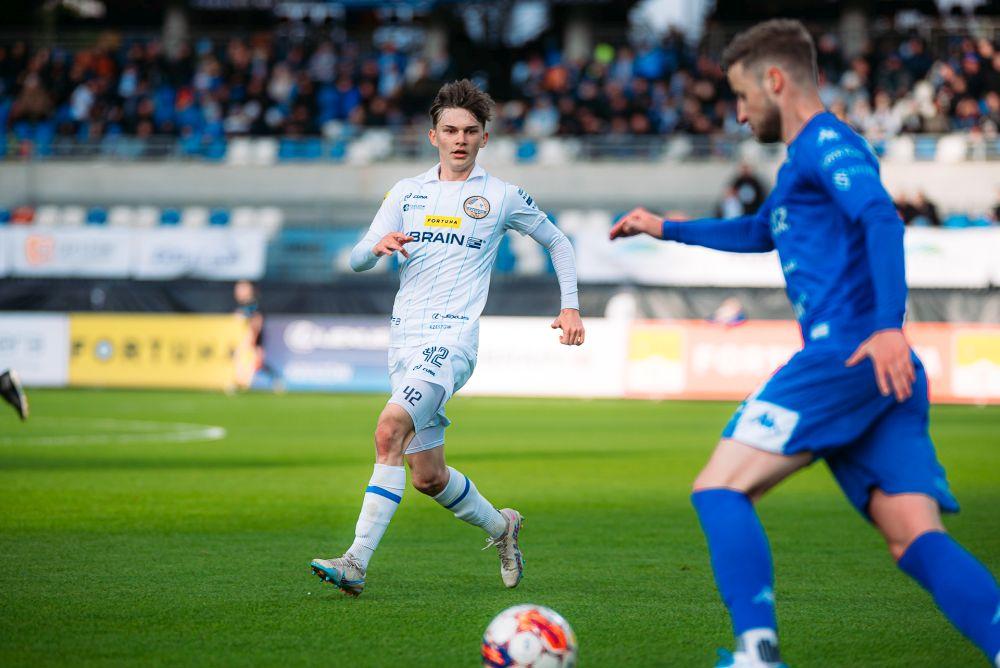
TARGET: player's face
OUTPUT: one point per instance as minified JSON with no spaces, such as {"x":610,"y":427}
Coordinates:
{"x":458,"y":137}
{"x":754,"y":105}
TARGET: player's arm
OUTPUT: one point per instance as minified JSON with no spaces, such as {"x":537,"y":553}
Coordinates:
{"x":564,"y":263}
{"x":850,"y":177}
{"x":745,"y":234}
{"x":526,"y":218}
{"x":384,"y":237}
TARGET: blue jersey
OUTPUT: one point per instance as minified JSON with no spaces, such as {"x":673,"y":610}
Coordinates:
{"x":837,"y":233}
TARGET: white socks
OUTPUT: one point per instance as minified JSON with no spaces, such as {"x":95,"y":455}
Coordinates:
{"x":761,"y":645}
{"x":382,"y":497}
{"x":462,"y":498}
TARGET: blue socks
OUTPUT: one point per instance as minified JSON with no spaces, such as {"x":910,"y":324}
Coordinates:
{"x":963,"y":589}
{"x":741,"y":557}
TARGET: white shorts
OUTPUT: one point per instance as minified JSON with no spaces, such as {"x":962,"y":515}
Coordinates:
{"x":447,"y":367}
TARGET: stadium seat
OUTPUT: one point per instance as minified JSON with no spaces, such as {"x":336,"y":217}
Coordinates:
{"x":97,"y":216}
{"x":270,"y":219}
{"x":925,"y":148}
{"x":952,"y":148}
{"x":72,"y":216}
{"x":5,"y":215}
{"x":194,"y":216}
{"x":23,"y":215}
{"x":956,"y":220}
{"x":901,"y":149}
{"x":243,"y":217}
{"x":47,"y":216}
{"x":527,"y":151}
{"x":264,"y":151}
{"x":170,"y":217}
{"x":146,"y":216}
{"x":121,"y":216}
{"x":678,"y":148}
{"x":218,"y":218}
{"x":239,"y":151}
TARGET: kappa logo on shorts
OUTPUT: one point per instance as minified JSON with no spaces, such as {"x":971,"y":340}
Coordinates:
{"x":477,"y":207}
{"x":765,"y":425}
{"x":442,"y":221}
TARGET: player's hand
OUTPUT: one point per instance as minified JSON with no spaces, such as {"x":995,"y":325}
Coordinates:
{"x":890,"y":354}
{"x":571,"y":325}
{"x":391,"y":243}
{"x":638,"y":221}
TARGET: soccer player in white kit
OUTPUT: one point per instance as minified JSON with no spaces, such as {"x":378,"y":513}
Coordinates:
{"x":447,"y":224}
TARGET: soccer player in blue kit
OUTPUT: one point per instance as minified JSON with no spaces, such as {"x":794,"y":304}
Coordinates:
{"x":855,"y":395}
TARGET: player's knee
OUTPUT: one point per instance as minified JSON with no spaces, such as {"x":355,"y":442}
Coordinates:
{"x":430,"y":483}
{"x":389,"y":437}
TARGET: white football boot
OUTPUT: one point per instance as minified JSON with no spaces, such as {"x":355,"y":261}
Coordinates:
{"x":345,"y":572}
{"x":511,"y":561}
{"x":756,"y":648}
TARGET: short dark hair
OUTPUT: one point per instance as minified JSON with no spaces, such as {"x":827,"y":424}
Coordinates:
{"x":462,"y":94}
{"x":784,"y":41}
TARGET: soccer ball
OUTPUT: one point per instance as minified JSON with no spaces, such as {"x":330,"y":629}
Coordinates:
{"x":529,"y":636}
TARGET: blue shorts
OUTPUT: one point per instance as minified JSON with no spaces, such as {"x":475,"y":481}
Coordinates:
{"x":816,"y":404}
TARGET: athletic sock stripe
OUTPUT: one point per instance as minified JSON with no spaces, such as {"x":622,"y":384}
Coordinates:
{"x":460,"y":496}
{"x":372,"y":489}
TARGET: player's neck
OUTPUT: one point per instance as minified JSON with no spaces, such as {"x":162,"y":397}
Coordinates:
{"x":446,"y":174}
{"x":800,"y":111}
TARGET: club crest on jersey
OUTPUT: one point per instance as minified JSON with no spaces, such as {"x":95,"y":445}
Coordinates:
{"x":477,"y":207}
{"x":442,"y":221}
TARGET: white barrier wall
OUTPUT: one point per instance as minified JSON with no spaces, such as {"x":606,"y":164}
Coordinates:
{"x":37,"y":346}
{"x":963,"y":186}
{"x":161,"y":253}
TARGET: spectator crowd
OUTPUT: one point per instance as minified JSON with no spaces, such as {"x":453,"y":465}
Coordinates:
{"x":265,"y":86}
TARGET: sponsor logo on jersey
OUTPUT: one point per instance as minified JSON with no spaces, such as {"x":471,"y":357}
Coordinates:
{"x":413,"y":196}
{"x":525,"y":196}
{"x":841,"y":153}
{"x":449,"y":316}
{"x":446,"y":238}
{"x":413,"y":207}
{"x":827,"y":134}
{"x":779,"y":221}
{"x":442,"y":221}
{"x":841,"y":180}
{"x":477,"y":207}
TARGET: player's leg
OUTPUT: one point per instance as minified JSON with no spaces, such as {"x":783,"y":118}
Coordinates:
{"x":724,"y":493}
{"x":454,"y":491}
{"x":962,"y":587}
{"x":383,"y":495}
{"x":894,"y":476}
{"x":13,"y":393}
{"x":812,"y":404}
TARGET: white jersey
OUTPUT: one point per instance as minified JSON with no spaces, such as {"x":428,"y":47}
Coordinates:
{"x":457,"y":227}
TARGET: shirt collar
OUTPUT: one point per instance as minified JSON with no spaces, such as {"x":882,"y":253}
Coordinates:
{"x":431,"y":175}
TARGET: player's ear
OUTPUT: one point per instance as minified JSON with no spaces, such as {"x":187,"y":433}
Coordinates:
{"x":486,"y":138}
{"x":774,"y":80}
{"x":432,"y":136}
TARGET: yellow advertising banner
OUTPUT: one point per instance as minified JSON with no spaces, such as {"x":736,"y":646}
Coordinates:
{"x":179,"y":351}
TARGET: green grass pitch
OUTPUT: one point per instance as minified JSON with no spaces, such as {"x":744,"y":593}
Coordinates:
{"x":162,"y":551}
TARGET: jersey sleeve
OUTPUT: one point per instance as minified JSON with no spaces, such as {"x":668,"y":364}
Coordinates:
{"x":389,"y":218}
{"x":850,"y":176}
{"x":745,"y":234}
{"x":520,"y":211}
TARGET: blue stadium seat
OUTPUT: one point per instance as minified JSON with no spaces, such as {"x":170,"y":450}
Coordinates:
{"x":505,"y":257}
{"x":97,"y":216}
{"x":527,"y":151}
{"x":170,"y":217}
{"x":924,"y":148}
{"x":956,"y":220}
{"x":218,"y":218}
{"x":4,"y":215}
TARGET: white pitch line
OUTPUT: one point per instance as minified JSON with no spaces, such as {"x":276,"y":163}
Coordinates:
{"x":119,"y":432}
